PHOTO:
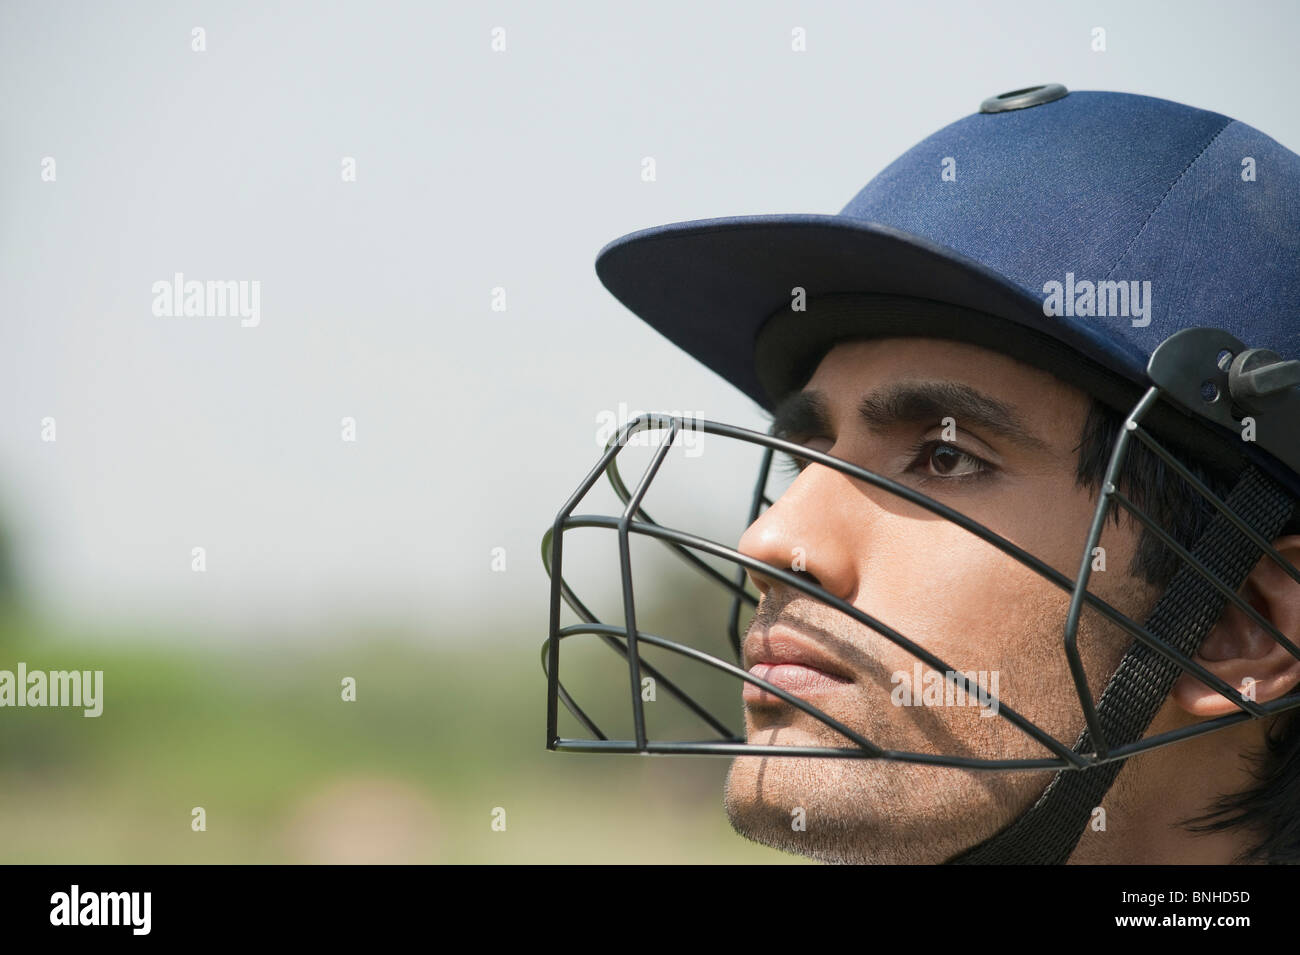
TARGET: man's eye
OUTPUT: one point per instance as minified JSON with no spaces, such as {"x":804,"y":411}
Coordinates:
{"x":793,"y":463}
{"x":790,"y":464}
{"x":942,"y":460}
{"x":933,"y":459}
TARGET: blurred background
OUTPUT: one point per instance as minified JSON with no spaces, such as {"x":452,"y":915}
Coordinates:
{"x":420,"y":190}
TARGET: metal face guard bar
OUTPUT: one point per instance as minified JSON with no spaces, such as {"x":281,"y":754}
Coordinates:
{"x":625,"y":639}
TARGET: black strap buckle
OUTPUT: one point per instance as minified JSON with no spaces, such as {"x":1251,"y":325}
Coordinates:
{"x":1215,"y":376}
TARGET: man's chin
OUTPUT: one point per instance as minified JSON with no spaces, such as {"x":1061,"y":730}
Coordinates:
{"x":806,"y":807}
{"x":857,"y":811}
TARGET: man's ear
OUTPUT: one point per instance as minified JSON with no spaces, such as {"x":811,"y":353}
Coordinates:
{"x":1238,"y":650}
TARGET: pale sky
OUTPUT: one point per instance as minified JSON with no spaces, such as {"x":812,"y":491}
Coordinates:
{"x":474,"y":170}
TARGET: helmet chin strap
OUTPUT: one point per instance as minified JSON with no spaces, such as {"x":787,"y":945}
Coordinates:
{"x":1048,"y":832}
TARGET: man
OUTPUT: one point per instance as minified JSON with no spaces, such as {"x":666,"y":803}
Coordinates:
{"x":973,"y":576}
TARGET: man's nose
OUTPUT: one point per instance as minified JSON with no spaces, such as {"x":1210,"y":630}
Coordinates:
{"x":814,"y":528}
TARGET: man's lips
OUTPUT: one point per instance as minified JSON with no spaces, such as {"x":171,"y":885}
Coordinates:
{"x":792,"y":661}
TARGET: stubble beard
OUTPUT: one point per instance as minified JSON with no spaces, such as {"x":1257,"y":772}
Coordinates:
{"x":881,"y":811}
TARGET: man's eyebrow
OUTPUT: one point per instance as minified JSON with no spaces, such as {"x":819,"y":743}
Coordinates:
{"x":804,"y":414}
{"x":800,"y":415}
{"x":931,"y":401}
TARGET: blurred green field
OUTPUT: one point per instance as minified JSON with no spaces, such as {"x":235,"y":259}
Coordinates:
{"x":289,"y":773}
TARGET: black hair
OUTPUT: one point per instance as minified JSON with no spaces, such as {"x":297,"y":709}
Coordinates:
{"x":1268,"y":808}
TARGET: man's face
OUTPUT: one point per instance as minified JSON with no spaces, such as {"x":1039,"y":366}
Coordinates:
{"x":1007,"y":458}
